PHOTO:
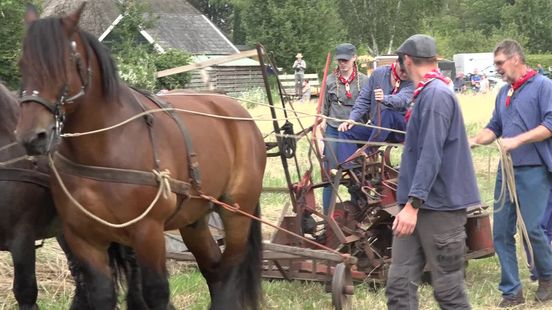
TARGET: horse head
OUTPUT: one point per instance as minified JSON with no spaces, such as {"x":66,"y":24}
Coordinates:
{"x":56,"y":73}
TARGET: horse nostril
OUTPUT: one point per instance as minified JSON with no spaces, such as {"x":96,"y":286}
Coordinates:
{"x":41,"y":135}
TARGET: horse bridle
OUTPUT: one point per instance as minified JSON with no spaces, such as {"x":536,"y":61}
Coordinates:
{"x":56,"y":108}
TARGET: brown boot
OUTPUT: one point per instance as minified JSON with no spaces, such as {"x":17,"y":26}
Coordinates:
{"x":544,"y":292}
{"x":512,"y":300}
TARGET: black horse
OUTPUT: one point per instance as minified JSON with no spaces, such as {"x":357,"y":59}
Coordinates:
{"x":27,"y":214}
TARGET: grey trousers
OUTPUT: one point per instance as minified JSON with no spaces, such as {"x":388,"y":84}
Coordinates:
{"x":440,"y":241}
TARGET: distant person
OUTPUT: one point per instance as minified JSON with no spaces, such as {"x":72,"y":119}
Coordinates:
{"x":306,"y":92}
{"x":299,"y":67}
{"x":540,"y":69}
{"x":475,"y":81}
{"x":342,"y":89}
{"x":522,"y":119}
{"x":459,"y":83}
{"x":484,"y":84}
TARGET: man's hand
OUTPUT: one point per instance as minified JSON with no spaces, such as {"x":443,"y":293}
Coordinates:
{"x":509,"y":144}
{"x":346,"y":125}
{"x":472,"y":142}
{"x":378,"y":94}
{"x":405,"y":222}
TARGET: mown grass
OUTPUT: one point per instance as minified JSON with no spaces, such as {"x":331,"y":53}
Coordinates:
{"x":189,"y":291}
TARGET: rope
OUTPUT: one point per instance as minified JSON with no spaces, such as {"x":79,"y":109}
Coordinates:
{"x":325,"y":117}
{"x":306,"y":115}
{"x":164,"y":189}
{"x":5,"y":147}
{"x":509,"y":183}
{"x":236,"y":209}
{"x":14,"y":160}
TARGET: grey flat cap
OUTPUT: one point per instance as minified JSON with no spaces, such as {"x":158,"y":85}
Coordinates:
{"x":419,"y":45}
{"x":345,"y":51}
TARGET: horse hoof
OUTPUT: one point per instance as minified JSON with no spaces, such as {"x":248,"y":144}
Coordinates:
{"x":28,"y":307}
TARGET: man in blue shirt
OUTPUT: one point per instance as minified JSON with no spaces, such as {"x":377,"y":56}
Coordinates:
{"x":436,"y":185}
{"x":522,"y":118}
{"x":385,"y":97}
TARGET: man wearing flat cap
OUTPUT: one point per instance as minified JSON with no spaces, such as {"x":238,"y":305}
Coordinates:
{"x":436,"y":185}
{"x":342,"y":89}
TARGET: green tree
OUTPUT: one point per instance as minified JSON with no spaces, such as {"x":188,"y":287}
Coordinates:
{"x":286,"y":27}
{"x":137,"y":59}
{"x":170,"y":59}
{"x":380,"y":26}
{"x":533,"y":19}
{"x":11,"y":34}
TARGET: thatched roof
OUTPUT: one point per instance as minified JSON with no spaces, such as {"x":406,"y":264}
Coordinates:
{"x":96,"y":17}
{"x":179,"y":24}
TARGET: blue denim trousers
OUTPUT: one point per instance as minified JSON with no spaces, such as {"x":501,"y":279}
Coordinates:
{"x":389,"y":119}
{"x":533,"y":188}
{"x":330,"y":155}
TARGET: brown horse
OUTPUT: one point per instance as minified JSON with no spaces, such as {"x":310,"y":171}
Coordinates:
{"x":70,"y":85}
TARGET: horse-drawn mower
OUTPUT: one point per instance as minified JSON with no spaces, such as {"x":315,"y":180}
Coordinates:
{"x":352,"y":242}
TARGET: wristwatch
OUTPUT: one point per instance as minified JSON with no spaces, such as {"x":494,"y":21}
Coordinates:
{"x":416,"y":203}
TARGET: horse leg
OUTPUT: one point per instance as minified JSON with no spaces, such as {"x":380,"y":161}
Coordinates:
{"x":200,"y":242}
{"x":80,"y":300}
{"x":24,"y":283}
{"x":150,"y":251}
{"x":93,"y":263}
{"x":241,"y":263}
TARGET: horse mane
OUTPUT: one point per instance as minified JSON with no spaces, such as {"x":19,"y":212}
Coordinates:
{"x":9,"y":108}
{"x":46,"y":41}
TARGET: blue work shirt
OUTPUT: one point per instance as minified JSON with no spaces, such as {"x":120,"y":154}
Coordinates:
{"x":530,"y":106}
{"x":381,"y":78}
{"x":436,"y":164}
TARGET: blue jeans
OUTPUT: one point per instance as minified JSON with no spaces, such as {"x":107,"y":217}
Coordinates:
{"x":546,"y":225}
{"x":330,"y":149}
{"x":389,"y":119}
{"x":533,"y":187}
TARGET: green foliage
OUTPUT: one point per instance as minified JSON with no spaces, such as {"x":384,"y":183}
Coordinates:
{"x":136,"y":58}
{"x":532,"y":18}
{"x":137,"y":68}
{"x":11,"y":33}
{"x":544,"y":59}
{"x":287,"y":27}
{"x":170,"y":59}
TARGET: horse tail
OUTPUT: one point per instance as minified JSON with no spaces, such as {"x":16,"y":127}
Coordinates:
{"x":125,"y":270}
{"x":249,"y":271}
{"x":119,"y":256}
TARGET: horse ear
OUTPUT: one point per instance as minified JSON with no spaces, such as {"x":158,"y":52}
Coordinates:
{"x":30,"y":14}
{"x":72,"y":20}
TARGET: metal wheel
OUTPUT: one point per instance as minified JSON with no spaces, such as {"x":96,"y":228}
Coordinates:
{"x":342,"y":287}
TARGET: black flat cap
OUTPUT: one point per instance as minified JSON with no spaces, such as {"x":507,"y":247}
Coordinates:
{"x":345,"y":51}
{"x":418,"y":45}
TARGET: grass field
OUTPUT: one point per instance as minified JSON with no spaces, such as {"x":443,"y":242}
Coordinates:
{"x":190,"y":292}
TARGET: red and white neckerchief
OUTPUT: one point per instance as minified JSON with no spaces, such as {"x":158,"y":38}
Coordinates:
{"x":517,"y":84}
{"x":397,"y":79}
{"x":428,"y":77}
{"x":346,"y":82}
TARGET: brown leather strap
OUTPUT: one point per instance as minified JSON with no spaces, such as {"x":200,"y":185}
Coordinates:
{"x":115,"y":175}
{"x":25,"y":175}
{"x":193,"y":164}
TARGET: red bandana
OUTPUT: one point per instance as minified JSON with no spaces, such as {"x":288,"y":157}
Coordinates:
{"x":428,"y":77}
{"x":517,"y":84}
{"x":397,"y":79}
{"x":346,"y":82}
